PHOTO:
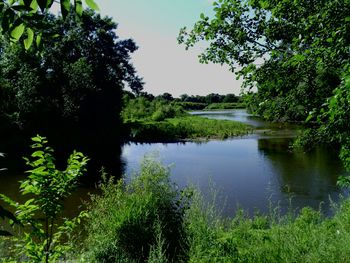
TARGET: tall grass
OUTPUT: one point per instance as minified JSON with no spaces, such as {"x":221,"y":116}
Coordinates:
{"x":149,"y":220}
{"x":136,"y":221}
{"x":307,"y":237}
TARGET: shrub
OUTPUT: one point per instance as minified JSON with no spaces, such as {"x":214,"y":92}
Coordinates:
{"x":42,"y":234}
{"x":131,"y":221}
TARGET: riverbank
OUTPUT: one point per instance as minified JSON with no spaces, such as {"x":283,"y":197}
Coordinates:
{"x":200,"y":234}
{"x":151,"y":220}
{"x":186,"y":128}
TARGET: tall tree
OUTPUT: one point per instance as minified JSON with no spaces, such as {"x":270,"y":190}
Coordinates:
{"x":72,"y":89}
{"x":294,"y":52}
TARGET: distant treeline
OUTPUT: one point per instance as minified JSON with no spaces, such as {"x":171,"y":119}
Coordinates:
{"x":195,"y":102}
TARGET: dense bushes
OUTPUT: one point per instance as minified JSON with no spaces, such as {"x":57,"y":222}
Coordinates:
{"x":143,"y":109}
{"x":128,"y":220}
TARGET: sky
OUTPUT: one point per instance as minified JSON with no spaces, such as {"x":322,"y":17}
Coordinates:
{"x":164,"y":64}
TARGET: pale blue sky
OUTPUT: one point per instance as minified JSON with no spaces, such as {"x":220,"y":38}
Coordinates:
{"x":165,"y":65}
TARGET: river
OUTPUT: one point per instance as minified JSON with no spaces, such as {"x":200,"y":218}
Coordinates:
{"x":251,"y":172}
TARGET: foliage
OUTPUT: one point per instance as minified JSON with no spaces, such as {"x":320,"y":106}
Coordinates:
{"x":143,"y":109}
{"x":292,"y":51}
{"x":161,"y":120}
{"x":25,"y":17}
{"x":76,"y":81}
{"x":131,"y":221}
{"x":210,"y":98}
{"x":41,"y":238}
{"x":336,"y":122}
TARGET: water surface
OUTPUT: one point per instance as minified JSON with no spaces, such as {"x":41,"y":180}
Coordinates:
{"x":251,"y":171}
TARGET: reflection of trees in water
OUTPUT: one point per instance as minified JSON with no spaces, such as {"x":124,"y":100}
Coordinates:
{"x":103,"y":147}
{"x":313,"y":174}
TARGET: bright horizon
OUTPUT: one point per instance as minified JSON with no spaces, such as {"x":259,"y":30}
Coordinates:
{"x":164,"y":64}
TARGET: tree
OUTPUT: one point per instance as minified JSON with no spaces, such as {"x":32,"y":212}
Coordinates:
{"x":71,"y":91}
{"x":166,"y":96}
{"x":77,"y":78}
{"x":294,"y":52}
{"x":184,"y":97}
{"x":230,"y":98}
{"x":212,"y":98}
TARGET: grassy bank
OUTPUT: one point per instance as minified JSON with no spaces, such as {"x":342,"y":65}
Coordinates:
{"x":150,"y":220}
{"x":185,"y":127}
{"x":159,"y":120}
{"x":202,"y":235}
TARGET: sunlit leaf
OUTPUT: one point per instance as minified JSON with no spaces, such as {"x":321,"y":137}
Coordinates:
{"x":34,"y":6}
{"x":79,"y":7}
{"x":17,"y":32}
{"x":92,"y":4}
{"x":29,"y":40}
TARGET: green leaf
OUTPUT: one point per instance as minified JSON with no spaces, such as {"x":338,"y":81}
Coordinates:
{"x":38,"y":40}
{"x":92,"y":4}
{"x":29,"y":40}
{"x":79,"y":7}
{"x":34,"y":5}
{"x":38,"y":138}
{"x":17,"y":32}
{"x":38,"y":154}
{"x":65,"y":6}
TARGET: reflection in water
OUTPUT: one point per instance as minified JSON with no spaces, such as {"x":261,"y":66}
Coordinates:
{"x":310,"y":178}
{"x":249,"y":172}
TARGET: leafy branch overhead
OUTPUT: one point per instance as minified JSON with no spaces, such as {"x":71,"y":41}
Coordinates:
{"x":23,"y":19}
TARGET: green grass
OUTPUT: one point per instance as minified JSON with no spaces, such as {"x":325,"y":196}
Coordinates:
{"x":199,"y":127}
{"x":186,"y":127}
{"x":129,"y":224}
{"x":307,"y":237}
